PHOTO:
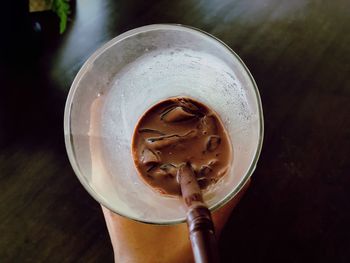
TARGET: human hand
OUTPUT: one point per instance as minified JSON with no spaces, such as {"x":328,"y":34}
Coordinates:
{"x":139,"y":242}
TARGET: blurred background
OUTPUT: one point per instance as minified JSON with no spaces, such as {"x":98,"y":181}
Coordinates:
{"x":297,"y":208}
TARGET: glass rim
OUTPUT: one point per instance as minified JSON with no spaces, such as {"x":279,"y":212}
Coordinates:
{"x":74,"y":87}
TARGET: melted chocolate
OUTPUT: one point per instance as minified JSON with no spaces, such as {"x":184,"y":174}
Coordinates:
{"x":175,"y":131}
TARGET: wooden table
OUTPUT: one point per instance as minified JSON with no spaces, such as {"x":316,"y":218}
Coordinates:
{"x":297,"y":208}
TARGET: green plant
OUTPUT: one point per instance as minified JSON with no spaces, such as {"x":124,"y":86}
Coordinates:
{"x":62,"y":9}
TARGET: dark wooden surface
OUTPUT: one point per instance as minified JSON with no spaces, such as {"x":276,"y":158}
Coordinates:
{"x":297,"y":208}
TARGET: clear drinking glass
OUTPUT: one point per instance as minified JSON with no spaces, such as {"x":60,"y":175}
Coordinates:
{"x":134,"y":71}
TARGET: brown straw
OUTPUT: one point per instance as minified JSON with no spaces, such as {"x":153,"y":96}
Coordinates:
{"x":199,"y":221}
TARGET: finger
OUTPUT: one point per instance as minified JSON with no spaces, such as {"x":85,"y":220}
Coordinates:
{"x":98,"y":171}
{"x":221,"y":216}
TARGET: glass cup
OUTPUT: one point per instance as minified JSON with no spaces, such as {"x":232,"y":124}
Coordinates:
{"x":116,"y":85}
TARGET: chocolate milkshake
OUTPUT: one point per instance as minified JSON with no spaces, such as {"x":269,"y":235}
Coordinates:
{"x":175,"y":131}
